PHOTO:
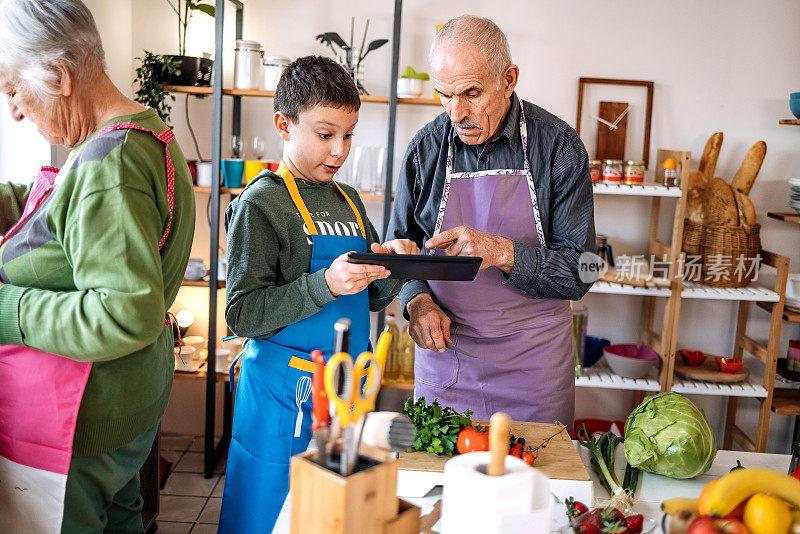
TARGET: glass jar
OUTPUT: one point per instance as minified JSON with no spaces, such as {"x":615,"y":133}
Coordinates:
{"x":596,"y":170}
{"x":634,"y":172}
{"x":247,"y":65}
{"x":671,"y":173}
{"x":612,"y":171}
{"x":273,"y":68}
{"x":580,"y":319}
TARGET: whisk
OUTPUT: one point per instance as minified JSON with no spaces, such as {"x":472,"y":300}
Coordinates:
{"x":301,"y":392}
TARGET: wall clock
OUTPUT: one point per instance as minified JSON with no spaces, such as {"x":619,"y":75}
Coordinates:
{"x":622,"y":127}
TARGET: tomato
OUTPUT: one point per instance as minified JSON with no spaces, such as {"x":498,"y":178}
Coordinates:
{"x":471,"y":439}
{"x":516,"y":450}
{"x":528,"y":458}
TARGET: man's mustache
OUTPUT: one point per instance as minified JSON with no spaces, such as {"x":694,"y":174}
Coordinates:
{"x":466,"y":123}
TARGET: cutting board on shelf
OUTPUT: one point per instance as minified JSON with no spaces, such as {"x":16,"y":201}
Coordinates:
{"x":710,"y":372}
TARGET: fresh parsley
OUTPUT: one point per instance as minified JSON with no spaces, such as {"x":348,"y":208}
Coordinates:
{"x":437,"y":426}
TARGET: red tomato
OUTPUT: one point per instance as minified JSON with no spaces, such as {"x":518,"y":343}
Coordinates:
{"x":529,"y":458}
{"x":471,"y":439}
{"x":516,"y":450}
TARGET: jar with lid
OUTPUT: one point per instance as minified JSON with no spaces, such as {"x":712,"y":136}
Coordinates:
{"x":634,"y":172}
{"x":596,"y":170}
{"x":671,"y":173}
{"x":247,"y":65}
{"x":273,"y":68}
{"x":612,"y":171}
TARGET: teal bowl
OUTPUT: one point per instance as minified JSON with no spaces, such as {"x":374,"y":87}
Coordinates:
{"x":794,"y":105}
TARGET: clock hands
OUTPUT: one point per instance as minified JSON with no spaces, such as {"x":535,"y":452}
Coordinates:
{"x":621,"y":115}
{"x":610,"y":125}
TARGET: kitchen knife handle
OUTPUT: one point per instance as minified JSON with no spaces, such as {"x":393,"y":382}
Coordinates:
{"x":319,"y":398}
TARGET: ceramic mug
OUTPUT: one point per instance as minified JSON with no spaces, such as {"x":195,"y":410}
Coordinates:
{"x":253,"y":168}
{"x":195,"y":269}
{"x":203,"y":170}
{"x":232,"y":170}
{"x":184,"y":358}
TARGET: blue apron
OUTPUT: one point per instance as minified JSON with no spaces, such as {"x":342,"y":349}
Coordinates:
{"x":272,"y":414}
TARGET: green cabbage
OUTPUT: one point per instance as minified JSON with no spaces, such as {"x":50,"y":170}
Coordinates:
{"x":669,"y":435}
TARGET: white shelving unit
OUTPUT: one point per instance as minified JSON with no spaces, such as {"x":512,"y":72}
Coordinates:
{"x":646,"y":190}
{"x":621,"y":289}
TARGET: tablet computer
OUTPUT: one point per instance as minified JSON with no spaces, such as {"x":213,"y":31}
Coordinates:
{"x":422,"y":267}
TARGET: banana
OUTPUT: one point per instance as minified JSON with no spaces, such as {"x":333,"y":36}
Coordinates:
{"x":741,"y":484}
{"x":678,"y":505}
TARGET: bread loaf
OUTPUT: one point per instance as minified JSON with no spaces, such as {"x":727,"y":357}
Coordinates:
{"x":708,"y":161}
{"x":746,"y":209}
{"x":695,"y":191}
{"x":746,"y":175}
{"x":719,"y":204}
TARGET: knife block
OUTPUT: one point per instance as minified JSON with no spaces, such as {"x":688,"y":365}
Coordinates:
{"x":324,"y":502}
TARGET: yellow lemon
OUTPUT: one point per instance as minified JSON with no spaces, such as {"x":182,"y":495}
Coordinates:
{"x":767,"y":514}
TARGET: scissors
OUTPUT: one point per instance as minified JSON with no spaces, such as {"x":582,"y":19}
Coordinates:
{"x":354,"y":400}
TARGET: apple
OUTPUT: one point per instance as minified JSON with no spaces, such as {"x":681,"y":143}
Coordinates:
{"x":706,"y":524}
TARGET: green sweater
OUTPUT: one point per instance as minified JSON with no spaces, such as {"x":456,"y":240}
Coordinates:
{"x":88,"y":281}
{"x":269,"y":285}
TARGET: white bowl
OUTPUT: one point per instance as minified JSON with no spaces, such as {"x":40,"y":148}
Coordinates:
{"x":409,"y":87}
{"x":630,"y":360}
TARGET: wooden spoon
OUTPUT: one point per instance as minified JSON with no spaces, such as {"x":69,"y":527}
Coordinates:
{"x":499,"y":429}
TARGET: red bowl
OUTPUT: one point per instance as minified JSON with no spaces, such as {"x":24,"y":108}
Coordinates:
{"x":693,"y":358}
{"x":729,"y":365}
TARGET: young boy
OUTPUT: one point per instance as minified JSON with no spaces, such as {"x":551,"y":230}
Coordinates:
{"x":289,"y":281}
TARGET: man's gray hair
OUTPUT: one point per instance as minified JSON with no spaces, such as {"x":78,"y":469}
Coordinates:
{"x":480,"y":32}
{"x":37,"y":34}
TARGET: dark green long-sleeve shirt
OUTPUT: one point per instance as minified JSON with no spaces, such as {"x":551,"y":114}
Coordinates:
{"x":269,"y":285}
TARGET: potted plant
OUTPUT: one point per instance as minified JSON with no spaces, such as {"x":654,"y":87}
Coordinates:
{"x":192,"y":70}
{"x":150,"y":78}
{"x":409,"y":84}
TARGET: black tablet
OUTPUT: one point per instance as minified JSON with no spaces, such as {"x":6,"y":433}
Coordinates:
{"x":422,"y":267}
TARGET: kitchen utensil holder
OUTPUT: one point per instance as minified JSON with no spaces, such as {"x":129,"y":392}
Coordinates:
{"x":325,"y":502}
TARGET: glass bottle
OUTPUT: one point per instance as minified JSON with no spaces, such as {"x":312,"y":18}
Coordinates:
{"x":407,"y":356}
{"x":392,"y":359}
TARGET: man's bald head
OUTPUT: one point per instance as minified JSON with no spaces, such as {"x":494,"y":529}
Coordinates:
{"x":479,"y":34}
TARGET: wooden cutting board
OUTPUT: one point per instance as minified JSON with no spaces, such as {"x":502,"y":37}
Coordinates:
{"x":710,"y":372}
{"x":558,"y":460}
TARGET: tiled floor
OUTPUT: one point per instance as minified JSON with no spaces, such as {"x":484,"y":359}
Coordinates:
{"x":189,"y":501}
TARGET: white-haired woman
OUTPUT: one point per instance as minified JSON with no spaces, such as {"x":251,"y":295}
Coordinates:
{"x":91,"y":257}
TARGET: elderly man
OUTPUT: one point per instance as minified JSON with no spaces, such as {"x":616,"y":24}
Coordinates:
{"x":91,"y":258}
{"x":502,"y":179}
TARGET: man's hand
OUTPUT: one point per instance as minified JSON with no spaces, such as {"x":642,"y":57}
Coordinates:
{"x":345,"y":278}
{"x":428,"y":325}
{"x":396,"y":246}
{"x":495,"y":250}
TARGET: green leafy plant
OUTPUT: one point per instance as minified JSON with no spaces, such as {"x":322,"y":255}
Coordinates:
{"x":185,"y":9}
{"x":437,"y":426}
{"x":150,"y":77}
{"x":411,"y":73}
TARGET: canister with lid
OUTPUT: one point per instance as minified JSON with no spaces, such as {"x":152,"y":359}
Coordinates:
{"x":596,"y":170}
{"x":612,"y":171}
{"x":273,"y":68}
{"x":634,"y":172}
{"x":247,"y":65}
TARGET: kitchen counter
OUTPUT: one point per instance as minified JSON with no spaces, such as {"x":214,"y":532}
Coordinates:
{"x":653,"y":489}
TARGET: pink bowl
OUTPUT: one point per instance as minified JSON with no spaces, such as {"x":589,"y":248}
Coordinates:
{"x":630,"y":360}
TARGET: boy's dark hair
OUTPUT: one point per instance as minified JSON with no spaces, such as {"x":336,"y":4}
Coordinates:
{"x":312,"y":80}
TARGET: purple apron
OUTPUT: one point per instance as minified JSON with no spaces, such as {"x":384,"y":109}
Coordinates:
{"x":524,"y":364}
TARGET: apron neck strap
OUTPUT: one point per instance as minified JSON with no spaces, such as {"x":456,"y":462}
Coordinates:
{"x":291,"y":185}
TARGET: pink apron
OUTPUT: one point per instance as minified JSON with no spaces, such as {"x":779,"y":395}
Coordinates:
{"x":40,"y":395}
{"x":524,"y":364}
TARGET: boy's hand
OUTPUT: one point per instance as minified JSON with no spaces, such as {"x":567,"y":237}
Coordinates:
{"x":396,"y":246}
{"x":345,"y":278}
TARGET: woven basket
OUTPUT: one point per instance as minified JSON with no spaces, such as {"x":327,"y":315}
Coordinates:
{"x":719,"y":249}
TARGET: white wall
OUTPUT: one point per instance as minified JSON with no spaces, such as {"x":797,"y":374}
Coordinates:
{"x":716,"y":66}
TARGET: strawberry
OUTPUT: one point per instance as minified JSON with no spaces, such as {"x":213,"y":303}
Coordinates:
{"x":634,"y":523}
{"x":588,"y":528}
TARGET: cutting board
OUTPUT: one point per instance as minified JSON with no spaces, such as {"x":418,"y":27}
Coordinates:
{"x":558,"y":459}
{"x":710,"y":372}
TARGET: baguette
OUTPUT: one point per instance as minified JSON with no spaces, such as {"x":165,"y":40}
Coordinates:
{"x":708,"y":161}
{"x":719,"y":204}
{"x":696,"y":190}
{"x":746,"y":175}
{"x":746,"y":209}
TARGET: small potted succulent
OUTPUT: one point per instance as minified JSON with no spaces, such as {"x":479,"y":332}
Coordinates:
{"x":409,"y":84}
{"x":192,"y":70}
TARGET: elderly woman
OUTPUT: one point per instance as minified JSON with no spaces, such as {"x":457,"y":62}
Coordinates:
{"x":91,"y":258}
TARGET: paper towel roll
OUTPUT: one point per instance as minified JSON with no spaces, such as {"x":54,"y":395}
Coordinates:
{"x":519,"y":501}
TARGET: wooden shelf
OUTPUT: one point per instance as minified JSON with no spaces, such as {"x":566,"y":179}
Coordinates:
{"x":222,"y":190}
{"x":394,"y":384}
{"x":787,"y":217}
{"x":786,"y":401}
{"x":644,"y":190}
{"x":793,"y":122}
{"x":788,"y":315}
{"x":203,"y":91}
{"x":201,"y":283}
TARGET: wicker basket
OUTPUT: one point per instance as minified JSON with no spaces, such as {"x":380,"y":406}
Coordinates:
{"x":720,"y":249}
